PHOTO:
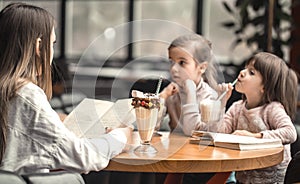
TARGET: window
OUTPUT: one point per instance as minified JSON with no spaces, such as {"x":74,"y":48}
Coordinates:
{"x":54,"y":7}
{"x":214,"y":15}
{"x":128,"y":29}
{"x":169,"y":19}
{"x":125,"y":29}
{"x":86,"y":21}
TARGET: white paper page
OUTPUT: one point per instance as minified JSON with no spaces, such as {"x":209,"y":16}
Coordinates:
{"x":86,"y":115}
{"x":120,"y":113}
{"x":230,"y":138}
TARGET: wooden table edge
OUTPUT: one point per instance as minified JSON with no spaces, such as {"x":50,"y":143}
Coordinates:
{"x":192,"y":166}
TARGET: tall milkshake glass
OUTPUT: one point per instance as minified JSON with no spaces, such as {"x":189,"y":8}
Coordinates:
{"x":146,"y":110}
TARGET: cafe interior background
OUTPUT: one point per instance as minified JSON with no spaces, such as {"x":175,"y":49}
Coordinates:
{"x":106,"y":48}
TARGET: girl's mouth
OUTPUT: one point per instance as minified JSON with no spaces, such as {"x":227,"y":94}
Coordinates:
{"x":175,"y":76}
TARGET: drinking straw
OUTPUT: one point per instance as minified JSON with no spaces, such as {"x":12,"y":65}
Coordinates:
{"x":223,"y":94}
{"x":159,"y":85}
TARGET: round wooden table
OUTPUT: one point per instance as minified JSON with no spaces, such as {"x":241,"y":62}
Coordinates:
{"x":176,"y":155}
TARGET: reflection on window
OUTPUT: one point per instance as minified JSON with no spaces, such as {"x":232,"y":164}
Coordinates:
{"x":172,"y":17}
{"x":88,"y":20}
{"x":104,"y":25}
{"x":221,"y":38}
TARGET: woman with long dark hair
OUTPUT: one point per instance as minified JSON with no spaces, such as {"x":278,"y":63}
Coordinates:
{"x":32,"y":136}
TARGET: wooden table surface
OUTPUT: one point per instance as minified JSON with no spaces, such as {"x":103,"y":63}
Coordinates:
{"x":176,"y":155}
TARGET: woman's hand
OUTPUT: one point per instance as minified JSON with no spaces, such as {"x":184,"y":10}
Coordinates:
{"x":62,"y":116}
{"x":170,"y":90}
{"x":127,"y":131}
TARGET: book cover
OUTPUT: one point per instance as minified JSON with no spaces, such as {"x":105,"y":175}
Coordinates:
{"x":231,"y":141}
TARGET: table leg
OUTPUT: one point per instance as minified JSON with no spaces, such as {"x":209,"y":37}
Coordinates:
{"x":219,"y":178}
{"x":174,"y":178}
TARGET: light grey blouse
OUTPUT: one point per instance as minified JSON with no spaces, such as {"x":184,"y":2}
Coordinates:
{"x":37,"y":140}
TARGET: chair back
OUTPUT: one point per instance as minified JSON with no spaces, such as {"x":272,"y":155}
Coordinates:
{"x":292,"y":172}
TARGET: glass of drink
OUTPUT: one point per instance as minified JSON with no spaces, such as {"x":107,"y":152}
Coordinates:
{"x":146,"y":111}
{"x":210,"y":113}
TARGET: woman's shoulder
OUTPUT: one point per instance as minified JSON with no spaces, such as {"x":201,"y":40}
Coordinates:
{"x":32,"y":93}
{"x":30,"y":89}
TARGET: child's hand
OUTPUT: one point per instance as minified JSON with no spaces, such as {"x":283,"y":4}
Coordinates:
{"x":225,"y":87}
{"x":189,"y":85}
{"x":247,"y":133}
{"x":170,"y":90}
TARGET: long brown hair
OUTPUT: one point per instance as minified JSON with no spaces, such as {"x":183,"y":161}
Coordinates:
{"x":21,"y":25}
{"x":280,"y":82}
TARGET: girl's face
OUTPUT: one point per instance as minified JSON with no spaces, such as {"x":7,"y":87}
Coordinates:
{"x":52,"y":42}
{"x":183,"y":66}
{"x":250,"y":82}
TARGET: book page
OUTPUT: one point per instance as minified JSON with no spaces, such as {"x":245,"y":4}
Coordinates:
{"x":249,"y":146}
{"x":120,"y":113}
{"x":91,"y":116}
{"x":239,"y":139}
{"x":233,"y":141}
{"x":85,"y":115}
{"x":202,"y":138}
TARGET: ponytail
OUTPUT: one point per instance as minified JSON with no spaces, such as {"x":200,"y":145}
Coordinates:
{"x":291,"y":93}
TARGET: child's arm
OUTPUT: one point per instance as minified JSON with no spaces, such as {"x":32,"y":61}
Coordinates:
{"x":168,"y":91}
{"x":191,"y":116}
{"x":225,"y":87}
{"x":190,"y":91}
{"x":280,"y":124}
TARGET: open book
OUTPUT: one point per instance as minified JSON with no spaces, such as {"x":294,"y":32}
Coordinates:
{"x":91,"y":116}
{"x":231,"y":141}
